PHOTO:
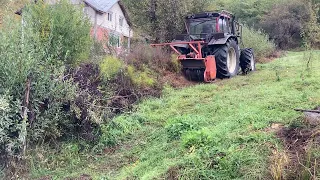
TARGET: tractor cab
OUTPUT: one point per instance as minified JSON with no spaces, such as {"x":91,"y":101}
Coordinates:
{"x":206,"y":26}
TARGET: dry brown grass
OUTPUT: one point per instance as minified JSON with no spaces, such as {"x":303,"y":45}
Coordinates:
{"x":279,"y":162}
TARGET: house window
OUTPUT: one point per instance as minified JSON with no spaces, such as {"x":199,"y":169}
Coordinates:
{"x":109,"y":16}
{"x":121,"y":21}
{"x":223,"y":25}
{"x":114,"y":40}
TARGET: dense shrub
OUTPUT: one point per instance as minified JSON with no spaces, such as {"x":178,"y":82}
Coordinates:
{"x":141,"y":78}
{"x":284,"y":23}
{"x":89,"y":106}
{"x":63,"y":30}
{"x":155,"y":58}
{"x":110,"y":66}
{"x":38,"y":99}
{"x":257,"y":40}
{"x":23,"y":69}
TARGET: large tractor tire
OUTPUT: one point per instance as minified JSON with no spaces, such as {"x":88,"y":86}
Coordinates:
{"x":247,"y":62}
{"x":227,"y":59}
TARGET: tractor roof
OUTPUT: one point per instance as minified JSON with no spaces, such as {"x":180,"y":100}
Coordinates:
{"x":210,"y":14}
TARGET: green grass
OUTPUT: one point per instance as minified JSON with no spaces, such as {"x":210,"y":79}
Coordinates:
{"x":208,"y":131}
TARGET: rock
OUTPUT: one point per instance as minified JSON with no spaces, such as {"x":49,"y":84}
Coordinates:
{"x":312,"y":118}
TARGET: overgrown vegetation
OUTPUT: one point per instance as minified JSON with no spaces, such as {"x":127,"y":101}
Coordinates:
{"x":282,"y":20}
{"x":51,"y":91}
{"x":285,"y":23}
{"x":209,"y":131}
{"x":32,"y":78}
{"x":162,"y":20}
{"x":66,"y":37}
{"x":259,"y":41}
{"x":61,"y":96}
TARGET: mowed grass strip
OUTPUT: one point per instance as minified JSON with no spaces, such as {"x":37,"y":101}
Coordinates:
{"x":218,"y":131}
{"x":210,"y":131}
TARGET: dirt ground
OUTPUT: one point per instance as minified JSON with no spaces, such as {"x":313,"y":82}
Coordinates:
{"x":296,"y":161}
{"x":177,"y":80}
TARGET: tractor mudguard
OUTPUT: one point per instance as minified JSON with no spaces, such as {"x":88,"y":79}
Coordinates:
{"x":223,"y":40}
{"x":180,"y":45}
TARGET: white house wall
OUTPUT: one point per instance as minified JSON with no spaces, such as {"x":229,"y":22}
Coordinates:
{"x":102,"y":20}
{"x":90,"y":12}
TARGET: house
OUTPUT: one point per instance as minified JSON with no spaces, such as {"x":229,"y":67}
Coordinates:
{"x":110,"y":21}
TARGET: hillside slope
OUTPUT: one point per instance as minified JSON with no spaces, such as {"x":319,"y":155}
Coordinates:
{"x":208,"y":131}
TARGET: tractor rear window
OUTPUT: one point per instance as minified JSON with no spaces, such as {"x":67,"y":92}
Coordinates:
{"x":202,"y":26}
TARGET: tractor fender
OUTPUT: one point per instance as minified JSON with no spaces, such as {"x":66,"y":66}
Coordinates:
{"x":221,"y":41}
{"x":180,"y":45}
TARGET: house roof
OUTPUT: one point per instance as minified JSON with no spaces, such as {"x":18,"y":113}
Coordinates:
{"x":101,"y":5}
{"x":125,"y":12}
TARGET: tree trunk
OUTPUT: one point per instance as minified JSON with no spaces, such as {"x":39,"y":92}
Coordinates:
{"x":153,"y":19}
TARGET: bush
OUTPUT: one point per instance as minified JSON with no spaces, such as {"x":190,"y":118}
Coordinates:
{"x":110,"y":67}
{"x":284,"y":23}
{"x":34,"y":78}
{"x":62,"y":28}
{"x":259,"y":41}
{"x":141,"y":78}
{"x":143,"y":55}
{"x":175,"y":64}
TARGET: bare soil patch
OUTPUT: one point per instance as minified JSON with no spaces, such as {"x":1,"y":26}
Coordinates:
{"x":297,"y":161}
{"x":173,"y":173}
{"x":176,"y":80}
{"x":273,"y":56}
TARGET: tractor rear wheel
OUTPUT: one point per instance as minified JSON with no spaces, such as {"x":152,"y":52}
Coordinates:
{"x":227,"y":59}
{"x":247,"y":62}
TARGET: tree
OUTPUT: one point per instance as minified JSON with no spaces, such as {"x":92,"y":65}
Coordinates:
{"x":311,"y":30}
{"x":248,"y":12}
{"x":161,"y":20}
{"x":284,"y":23}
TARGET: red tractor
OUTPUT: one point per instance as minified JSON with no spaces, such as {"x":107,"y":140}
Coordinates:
{"x":210,"y":49}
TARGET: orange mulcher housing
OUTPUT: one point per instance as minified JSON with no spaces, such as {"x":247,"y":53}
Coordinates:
{"x":208,"y":64}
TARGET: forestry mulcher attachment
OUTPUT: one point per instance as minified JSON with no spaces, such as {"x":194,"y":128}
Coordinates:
{"x":210,"y":49}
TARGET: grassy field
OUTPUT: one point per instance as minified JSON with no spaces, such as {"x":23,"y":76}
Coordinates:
{"x":207,"y":131}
